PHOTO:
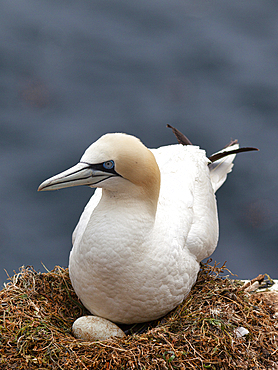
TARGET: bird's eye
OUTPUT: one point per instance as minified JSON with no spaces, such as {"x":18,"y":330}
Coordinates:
{"x":108,"y":165}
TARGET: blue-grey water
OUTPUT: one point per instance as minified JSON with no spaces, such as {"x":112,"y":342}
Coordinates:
{"x":71,"y":71}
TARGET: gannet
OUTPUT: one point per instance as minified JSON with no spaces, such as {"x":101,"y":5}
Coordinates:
{"x":153,"y":217}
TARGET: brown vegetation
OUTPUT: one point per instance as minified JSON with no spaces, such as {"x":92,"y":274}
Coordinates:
{"x":38,"y":309}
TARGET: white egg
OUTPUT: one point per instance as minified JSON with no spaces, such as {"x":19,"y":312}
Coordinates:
{"x":91,"y":328}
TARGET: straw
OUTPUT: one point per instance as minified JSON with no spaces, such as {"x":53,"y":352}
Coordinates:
{"x":205,"y":332}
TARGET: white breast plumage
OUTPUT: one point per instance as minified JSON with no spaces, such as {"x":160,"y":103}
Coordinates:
{"x":138,"y":244}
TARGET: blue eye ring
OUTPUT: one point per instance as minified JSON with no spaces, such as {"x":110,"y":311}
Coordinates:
{"x":108,"y":165}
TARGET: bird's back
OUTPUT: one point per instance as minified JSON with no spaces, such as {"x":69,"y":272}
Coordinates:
{"x":187,"y":207}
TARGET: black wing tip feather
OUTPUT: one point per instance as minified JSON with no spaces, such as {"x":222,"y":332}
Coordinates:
{"x":217,"y":156}
{"x":182,"y":139}
{"x":232,"y":142}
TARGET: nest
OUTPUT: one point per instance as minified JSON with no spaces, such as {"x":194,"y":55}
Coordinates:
{"x":38,"y":310}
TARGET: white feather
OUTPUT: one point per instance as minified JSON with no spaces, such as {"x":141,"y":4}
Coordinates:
{"x":219,"y":169}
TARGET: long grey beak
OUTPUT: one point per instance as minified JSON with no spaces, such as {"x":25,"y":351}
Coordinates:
{"x":80,"y":174}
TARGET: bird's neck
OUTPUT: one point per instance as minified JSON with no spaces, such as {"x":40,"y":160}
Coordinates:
{"x":129,"y":201}
{"x":119,"y":222}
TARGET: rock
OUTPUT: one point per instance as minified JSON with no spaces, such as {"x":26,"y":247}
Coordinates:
{"x":91,"y":328}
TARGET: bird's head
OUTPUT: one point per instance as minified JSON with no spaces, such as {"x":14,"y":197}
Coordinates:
{"x":118,"y":163}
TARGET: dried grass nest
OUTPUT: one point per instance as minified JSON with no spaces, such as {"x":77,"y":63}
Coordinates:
{"x":38,"y":309}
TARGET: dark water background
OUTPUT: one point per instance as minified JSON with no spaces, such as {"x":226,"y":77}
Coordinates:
{"x":71,"y":71}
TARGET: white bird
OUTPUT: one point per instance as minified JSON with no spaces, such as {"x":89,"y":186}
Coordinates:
{"x":138,"y":243}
